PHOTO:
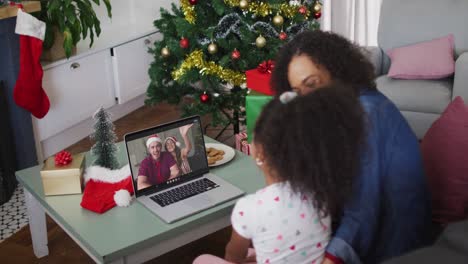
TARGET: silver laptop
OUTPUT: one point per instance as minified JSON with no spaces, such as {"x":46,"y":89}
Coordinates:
{"x":174,"y":186}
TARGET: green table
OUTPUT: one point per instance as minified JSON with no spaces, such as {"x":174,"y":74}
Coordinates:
{"x":132,"y":234}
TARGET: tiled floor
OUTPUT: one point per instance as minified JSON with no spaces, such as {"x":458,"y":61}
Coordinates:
{"x":13,"y":215}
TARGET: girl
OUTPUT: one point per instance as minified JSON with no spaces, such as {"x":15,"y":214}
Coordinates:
{"x":180,"y":155}
{"x":307,"y":148}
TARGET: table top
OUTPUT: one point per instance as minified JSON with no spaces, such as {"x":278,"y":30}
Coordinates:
{"x":132,"y":228}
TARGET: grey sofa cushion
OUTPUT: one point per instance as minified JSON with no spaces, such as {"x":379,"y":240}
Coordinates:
{"x":428,"y":96}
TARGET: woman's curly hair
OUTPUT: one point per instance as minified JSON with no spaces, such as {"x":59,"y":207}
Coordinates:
{"x":344,"y":60}
{"x":314,"y":143}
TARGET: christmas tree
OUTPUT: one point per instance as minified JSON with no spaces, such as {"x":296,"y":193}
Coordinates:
{"x":208,"y":45}
{"x":104,"y":149}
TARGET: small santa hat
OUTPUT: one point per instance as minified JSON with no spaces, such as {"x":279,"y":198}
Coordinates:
{"x":174,"y":139}
{"x":107,"y":188}
{"x":153,"y":138}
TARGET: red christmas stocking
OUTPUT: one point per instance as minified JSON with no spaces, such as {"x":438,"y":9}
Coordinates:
{"x":28,"y":92}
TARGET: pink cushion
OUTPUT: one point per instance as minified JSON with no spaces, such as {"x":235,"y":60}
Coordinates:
{"x":445,"y":155}
{"x":426,"y":60}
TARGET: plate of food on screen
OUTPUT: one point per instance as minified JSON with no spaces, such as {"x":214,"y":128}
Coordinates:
{"x":218,"y":154}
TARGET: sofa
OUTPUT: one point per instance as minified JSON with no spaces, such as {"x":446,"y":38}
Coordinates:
{"x":406,"y":22}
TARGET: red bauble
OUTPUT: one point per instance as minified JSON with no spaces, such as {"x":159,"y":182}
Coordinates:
{"x":204,"y":98}
{"x":235,"y":55}
{"x":184,"y":43}
{"x":193,"y":2}
{"x":283,"y":35}
{"x":317,"y":15}
{"x":302,"y":10}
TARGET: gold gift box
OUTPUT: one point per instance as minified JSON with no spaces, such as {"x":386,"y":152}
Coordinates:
{"x":67,"y":179}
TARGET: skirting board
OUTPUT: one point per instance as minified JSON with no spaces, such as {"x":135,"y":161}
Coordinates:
{"x":70,"y":136}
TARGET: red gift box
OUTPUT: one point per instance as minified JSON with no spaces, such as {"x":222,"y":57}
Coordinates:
{"x":259,"y":79}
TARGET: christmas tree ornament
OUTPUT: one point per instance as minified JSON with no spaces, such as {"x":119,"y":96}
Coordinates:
{"x":184,"y":43}
{"x":216,"y":94}
{"x":317,"y":15}
{"x":189,"y":11}
{"x":302,"y":10}
{"x":317,"y":7}
{"x":28,"y":92}
{"x":260,"y":42}
{"x":212,"y":48}
{"x":278,"y":20}
{"x":165,"y":52}
{"x":193,"y":2}
{"x":283,"y":35}
{"x":294,"y":3}
{"x":244,"y":4}
{"x":204,"y":98}
{"x":235,"y":55}
{"x":196,"y":60}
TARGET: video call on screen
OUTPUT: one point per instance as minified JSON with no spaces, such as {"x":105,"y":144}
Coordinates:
{"x":164,"y":156}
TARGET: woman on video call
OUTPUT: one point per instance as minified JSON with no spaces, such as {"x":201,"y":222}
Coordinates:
{"x":158,"y":166}
{"x":172,"y":146}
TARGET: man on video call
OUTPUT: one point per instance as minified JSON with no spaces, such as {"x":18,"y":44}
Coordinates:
{"x":158,"y":166}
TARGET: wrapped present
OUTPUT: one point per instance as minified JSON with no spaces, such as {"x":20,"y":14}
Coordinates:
{"x":58,"y":177}
{"x":242,"y":136}
{"x":241,"y":143}
{"x":259,"y":79}
{"x":246,"y":147}
{"x":254,"y":103}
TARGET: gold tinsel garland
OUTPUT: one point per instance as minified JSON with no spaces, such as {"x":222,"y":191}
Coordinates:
{"x":189,"y":11}
{"x":264,"y":9}
{"x":195,"y":60}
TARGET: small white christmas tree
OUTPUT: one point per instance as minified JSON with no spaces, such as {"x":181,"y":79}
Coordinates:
{"x":104,"y":149}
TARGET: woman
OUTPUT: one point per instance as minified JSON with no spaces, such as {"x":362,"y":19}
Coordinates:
{"x":158,"y":166}
{"x":172,"y":146}
{"x":389,"y":212}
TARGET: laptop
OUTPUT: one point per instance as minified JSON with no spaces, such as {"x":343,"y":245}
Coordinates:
{"x":175,"y":187}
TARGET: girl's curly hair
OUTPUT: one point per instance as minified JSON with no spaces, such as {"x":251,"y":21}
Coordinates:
{"x":314,"y":143}
{"x":344,"y":60}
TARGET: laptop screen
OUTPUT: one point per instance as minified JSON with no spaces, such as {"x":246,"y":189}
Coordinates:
{"x":166,"y":155}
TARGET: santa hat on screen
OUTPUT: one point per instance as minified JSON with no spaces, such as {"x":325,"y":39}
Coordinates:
{"x":153,"y":138}
{"x":174,"y":139}
{"x":107,"y":188}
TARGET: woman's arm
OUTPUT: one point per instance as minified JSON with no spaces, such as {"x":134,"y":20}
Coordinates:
{"x":142,"y":182}
{"x":237,"y":248}
{"x":360,"y":221}
{"x":188,"y":145}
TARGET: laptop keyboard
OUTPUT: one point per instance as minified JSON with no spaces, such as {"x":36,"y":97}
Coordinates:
{"x":184,"y":192}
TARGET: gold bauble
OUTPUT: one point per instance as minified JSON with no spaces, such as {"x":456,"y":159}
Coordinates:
{"x":260,"y":42}
{"x":317,"y":7}
{"x":243,"y":4}
{"x":278,"y":20}
{"x":165,"y":52}
{"x":212,"y":48}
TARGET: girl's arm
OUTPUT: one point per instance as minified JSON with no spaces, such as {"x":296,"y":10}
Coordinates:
{"x":237,"y":248}
{"x":188,"y":145}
